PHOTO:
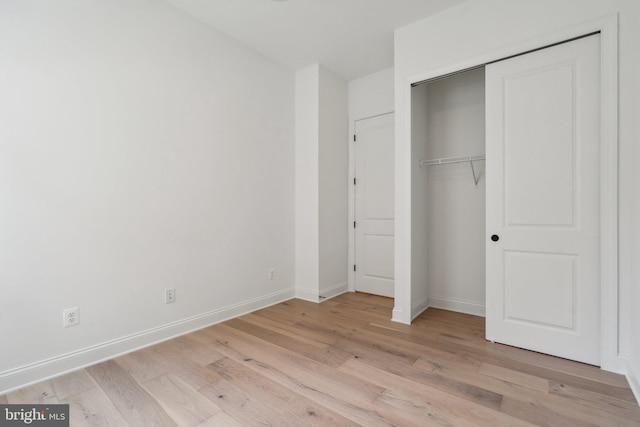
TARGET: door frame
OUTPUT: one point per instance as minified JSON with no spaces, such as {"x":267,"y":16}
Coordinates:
{"x":351,"y":233}
{"x":404,"y":310}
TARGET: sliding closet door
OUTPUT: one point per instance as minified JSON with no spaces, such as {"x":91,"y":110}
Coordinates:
{"x":543,"y":208}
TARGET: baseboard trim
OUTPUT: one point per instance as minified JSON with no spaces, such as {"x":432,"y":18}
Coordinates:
{"x":397,"y":315}
{"x":458,"y":306}
{"x":59,"y":365}
{"x":632,"y":378}
{"x":334,"y":291}
{"x":306,"y":295}
{"x":419,"y":308}
{"x":326,"y":294}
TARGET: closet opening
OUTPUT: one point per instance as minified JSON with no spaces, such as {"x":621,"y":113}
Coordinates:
{"x":448,"y":192}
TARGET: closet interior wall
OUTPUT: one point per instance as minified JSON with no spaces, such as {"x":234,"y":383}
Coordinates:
{"x":448,"y":215}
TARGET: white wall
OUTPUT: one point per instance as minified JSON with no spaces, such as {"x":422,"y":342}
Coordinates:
{"x":321,"y":184}
{"x":369,"y":96}
{"x":632,"y":218}
{"x":139,"y":150}
{"x":455,"y":39}
{"x":307,"y":247}
{"x":420,"y":215}
{"x":332,"y":192}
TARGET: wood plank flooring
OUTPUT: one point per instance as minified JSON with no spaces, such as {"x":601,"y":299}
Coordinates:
{"x":339,"y":363}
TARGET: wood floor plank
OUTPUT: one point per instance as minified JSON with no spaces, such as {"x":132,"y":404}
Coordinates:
{"x":329,"y":356}
{"x":365,"y":339}
{"x":416,"y":412}
{"x":493,"y":354}
{"x":188,"y":348}
{"x":540,"y":415}
{"x":372,"y":304}
{"x":143,"y":365}
{"x":346,"y":314}
{"x":619,"y":392}
{"x":291,"y":311}
{"x":366,"y":351}
{"x":325,"y":314}
{"x":221,"y":419}
{"x":172,"y":355}
{"x":41,"y":394}
{"x":530,"y":395}
{"x":293,"y":406}
{"x":363,"y":298}
{"x":499,"y":386}
{"x":307,"y":372}
{"x":601,"y":402}
{"x":131,"y":399}
{"x":443,"y":406}
{"x":93,"y":408}
{"x":368,"y":313}
{"x":292,"y":331}
{"x":515,"y":377}
{"x":356,"y":335}
{"x":276,"y":315}
{"x":542,"y":361}
{"x":247,"y":409}
{"x":203,"y":336}
{"x":182,"y":402}
{"x":348,"y":396}
{"x":456,"y":387}
{"x":71,"y":384}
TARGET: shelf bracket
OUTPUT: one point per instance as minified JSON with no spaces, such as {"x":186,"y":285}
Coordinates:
{"x":476,"y":179}
{"x":448,"y":160}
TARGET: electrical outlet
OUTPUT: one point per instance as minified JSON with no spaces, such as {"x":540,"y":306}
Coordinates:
{"x":70,"y":317}
{"x":169,"y":295}
{"x":272,"y":273}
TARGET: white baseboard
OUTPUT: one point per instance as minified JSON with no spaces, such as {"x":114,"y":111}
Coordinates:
{"x":458,"y":306}
{"x":326,"y":294}
{"x":633,"y":379}
{"x":333,"y":291}
{"x":420,"y":307}
{"x":307,"y":295}
{"x":443,"y":303}
{"x":397,"y":315}
{"x":59,"y":365}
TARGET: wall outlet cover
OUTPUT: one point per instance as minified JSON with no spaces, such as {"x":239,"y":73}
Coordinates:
{"x":70,"y":317}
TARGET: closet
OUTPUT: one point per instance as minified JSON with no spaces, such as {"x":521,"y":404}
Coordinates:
{"x":448,"y":132}
{"x":506,"y":191}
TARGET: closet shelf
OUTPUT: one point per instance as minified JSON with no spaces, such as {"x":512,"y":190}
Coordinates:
{"x":448,"y":160}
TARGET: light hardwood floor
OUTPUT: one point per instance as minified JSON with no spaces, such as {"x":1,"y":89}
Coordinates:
{"x":339,"y":363}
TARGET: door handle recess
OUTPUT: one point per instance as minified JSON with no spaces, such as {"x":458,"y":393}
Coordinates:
{"x":495,"y":238}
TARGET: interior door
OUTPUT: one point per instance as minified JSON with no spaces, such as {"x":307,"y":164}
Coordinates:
{"x":374,"y":210}
{"x":543,"y":208}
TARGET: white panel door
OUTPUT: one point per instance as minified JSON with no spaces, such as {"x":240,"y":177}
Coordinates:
{"x":374,"y":198}
{"x":543,"y":207}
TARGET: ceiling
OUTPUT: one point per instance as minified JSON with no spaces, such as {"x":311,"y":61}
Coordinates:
{"x":352,"y":38}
